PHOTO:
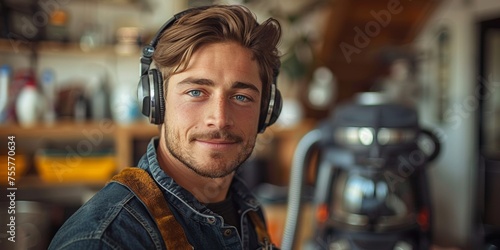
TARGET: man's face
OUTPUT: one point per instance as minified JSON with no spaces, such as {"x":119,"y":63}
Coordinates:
{"x":212,"y":110}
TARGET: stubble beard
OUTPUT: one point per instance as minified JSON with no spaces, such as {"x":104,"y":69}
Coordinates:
{"x":214,"y":167}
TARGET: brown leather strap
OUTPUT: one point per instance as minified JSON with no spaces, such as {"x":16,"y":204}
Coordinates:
{"x":260,"y":228}
{"x":144,"y":187}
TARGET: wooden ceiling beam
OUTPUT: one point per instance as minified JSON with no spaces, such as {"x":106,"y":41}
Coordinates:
{"x":354,"y":60}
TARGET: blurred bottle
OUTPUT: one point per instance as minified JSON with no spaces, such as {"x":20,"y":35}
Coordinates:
{"x":29,"y":108}
{"x":4,"y":90}
{"x":91,"y":38}
{"x":81,"y":108}
{"x":124,"y":108}
{"x":99,"y":100}
{"x":48,"y":88}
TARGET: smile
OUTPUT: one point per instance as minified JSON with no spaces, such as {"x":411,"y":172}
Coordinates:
{"x":216,"y":144}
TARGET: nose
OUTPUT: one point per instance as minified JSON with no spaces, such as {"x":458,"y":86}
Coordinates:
{"x":218,"y":113}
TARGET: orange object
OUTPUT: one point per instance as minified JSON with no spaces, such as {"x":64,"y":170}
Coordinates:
{"x":322,"y":213}
{"x":59,"y":18}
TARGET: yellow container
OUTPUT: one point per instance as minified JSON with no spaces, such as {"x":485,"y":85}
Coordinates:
{"x":16,"y":169}
{"x":60,"y":167}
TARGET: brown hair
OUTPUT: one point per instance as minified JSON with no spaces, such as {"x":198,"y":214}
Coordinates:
{"x":220,"y":23}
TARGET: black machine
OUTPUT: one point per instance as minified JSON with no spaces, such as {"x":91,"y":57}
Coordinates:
{"x":371,"y":190}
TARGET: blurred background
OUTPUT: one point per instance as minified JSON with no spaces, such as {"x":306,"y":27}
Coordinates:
{"x":70,"y":68}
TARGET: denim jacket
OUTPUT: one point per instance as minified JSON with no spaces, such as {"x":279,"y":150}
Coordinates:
{"x":115,"y":219}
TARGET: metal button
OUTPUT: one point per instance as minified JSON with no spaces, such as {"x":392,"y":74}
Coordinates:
{"x":228,"y":232}
{"x":211,"y":220}
{"x":252,"y":202}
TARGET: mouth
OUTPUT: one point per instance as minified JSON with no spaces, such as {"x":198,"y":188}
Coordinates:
{"x":216,"y":145}
{"x":217,"y":140}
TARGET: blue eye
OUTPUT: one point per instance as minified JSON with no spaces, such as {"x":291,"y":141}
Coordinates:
{"x":241,"y":98}
{"x":194,"y":93}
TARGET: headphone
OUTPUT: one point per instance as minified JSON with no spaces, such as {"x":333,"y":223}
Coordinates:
{"x":150,"y":92}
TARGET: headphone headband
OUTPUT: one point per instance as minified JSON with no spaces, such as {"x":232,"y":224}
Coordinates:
{"x":149,"y":50}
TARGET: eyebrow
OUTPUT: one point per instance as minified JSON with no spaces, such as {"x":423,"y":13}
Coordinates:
{"x":208,"y":82}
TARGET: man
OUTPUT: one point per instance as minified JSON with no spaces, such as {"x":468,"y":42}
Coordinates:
{"x":216,"y":68}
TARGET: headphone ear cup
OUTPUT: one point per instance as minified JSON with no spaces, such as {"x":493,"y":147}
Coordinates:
{"x":278,"y":104}
{"x":262,"y":119}
{"x":143,"y":97}
{"x":271,"y":114}
{"x":158,"y":113}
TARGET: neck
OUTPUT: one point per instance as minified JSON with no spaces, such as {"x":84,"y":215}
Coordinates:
{"x":204,"y":189}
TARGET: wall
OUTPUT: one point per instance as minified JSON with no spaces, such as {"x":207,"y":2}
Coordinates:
{"x":453,"y":174}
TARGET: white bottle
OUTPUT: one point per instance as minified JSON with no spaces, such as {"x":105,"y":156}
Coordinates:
{"x":4,"y":92}
{"x":29,"y":108}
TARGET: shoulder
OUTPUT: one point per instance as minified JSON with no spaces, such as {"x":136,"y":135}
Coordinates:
{"x":112,"y":218}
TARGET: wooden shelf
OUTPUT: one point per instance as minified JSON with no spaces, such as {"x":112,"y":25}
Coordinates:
{"x":59,"y":48}
{"x":32,"y":188}
{"x":122,"y":135}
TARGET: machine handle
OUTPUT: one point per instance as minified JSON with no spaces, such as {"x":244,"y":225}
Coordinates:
{"x":436,"y":144}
